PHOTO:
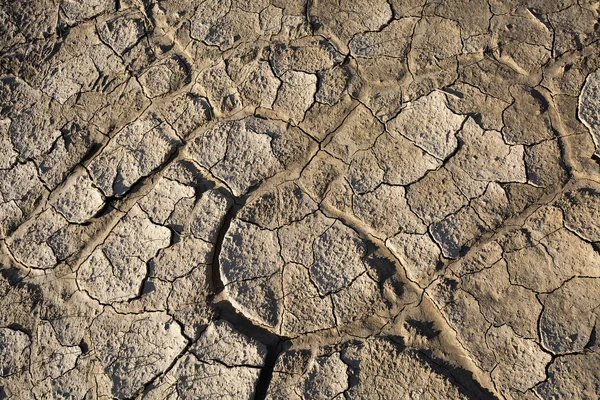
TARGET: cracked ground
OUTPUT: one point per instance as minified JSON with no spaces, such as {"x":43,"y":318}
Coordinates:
{"x":299,"y":199}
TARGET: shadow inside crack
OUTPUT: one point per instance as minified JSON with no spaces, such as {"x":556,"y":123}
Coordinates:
{"x":275,"y":344}
{"x":465,"y":381}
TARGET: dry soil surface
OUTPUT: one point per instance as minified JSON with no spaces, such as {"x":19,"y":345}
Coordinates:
{"x":299,"y":199}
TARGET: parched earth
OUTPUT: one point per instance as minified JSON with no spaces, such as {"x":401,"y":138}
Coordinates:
{"x":290,"y":199}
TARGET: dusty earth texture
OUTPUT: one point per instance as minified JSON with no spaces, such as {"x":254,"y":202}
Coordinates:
{"x":290,"y":199}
